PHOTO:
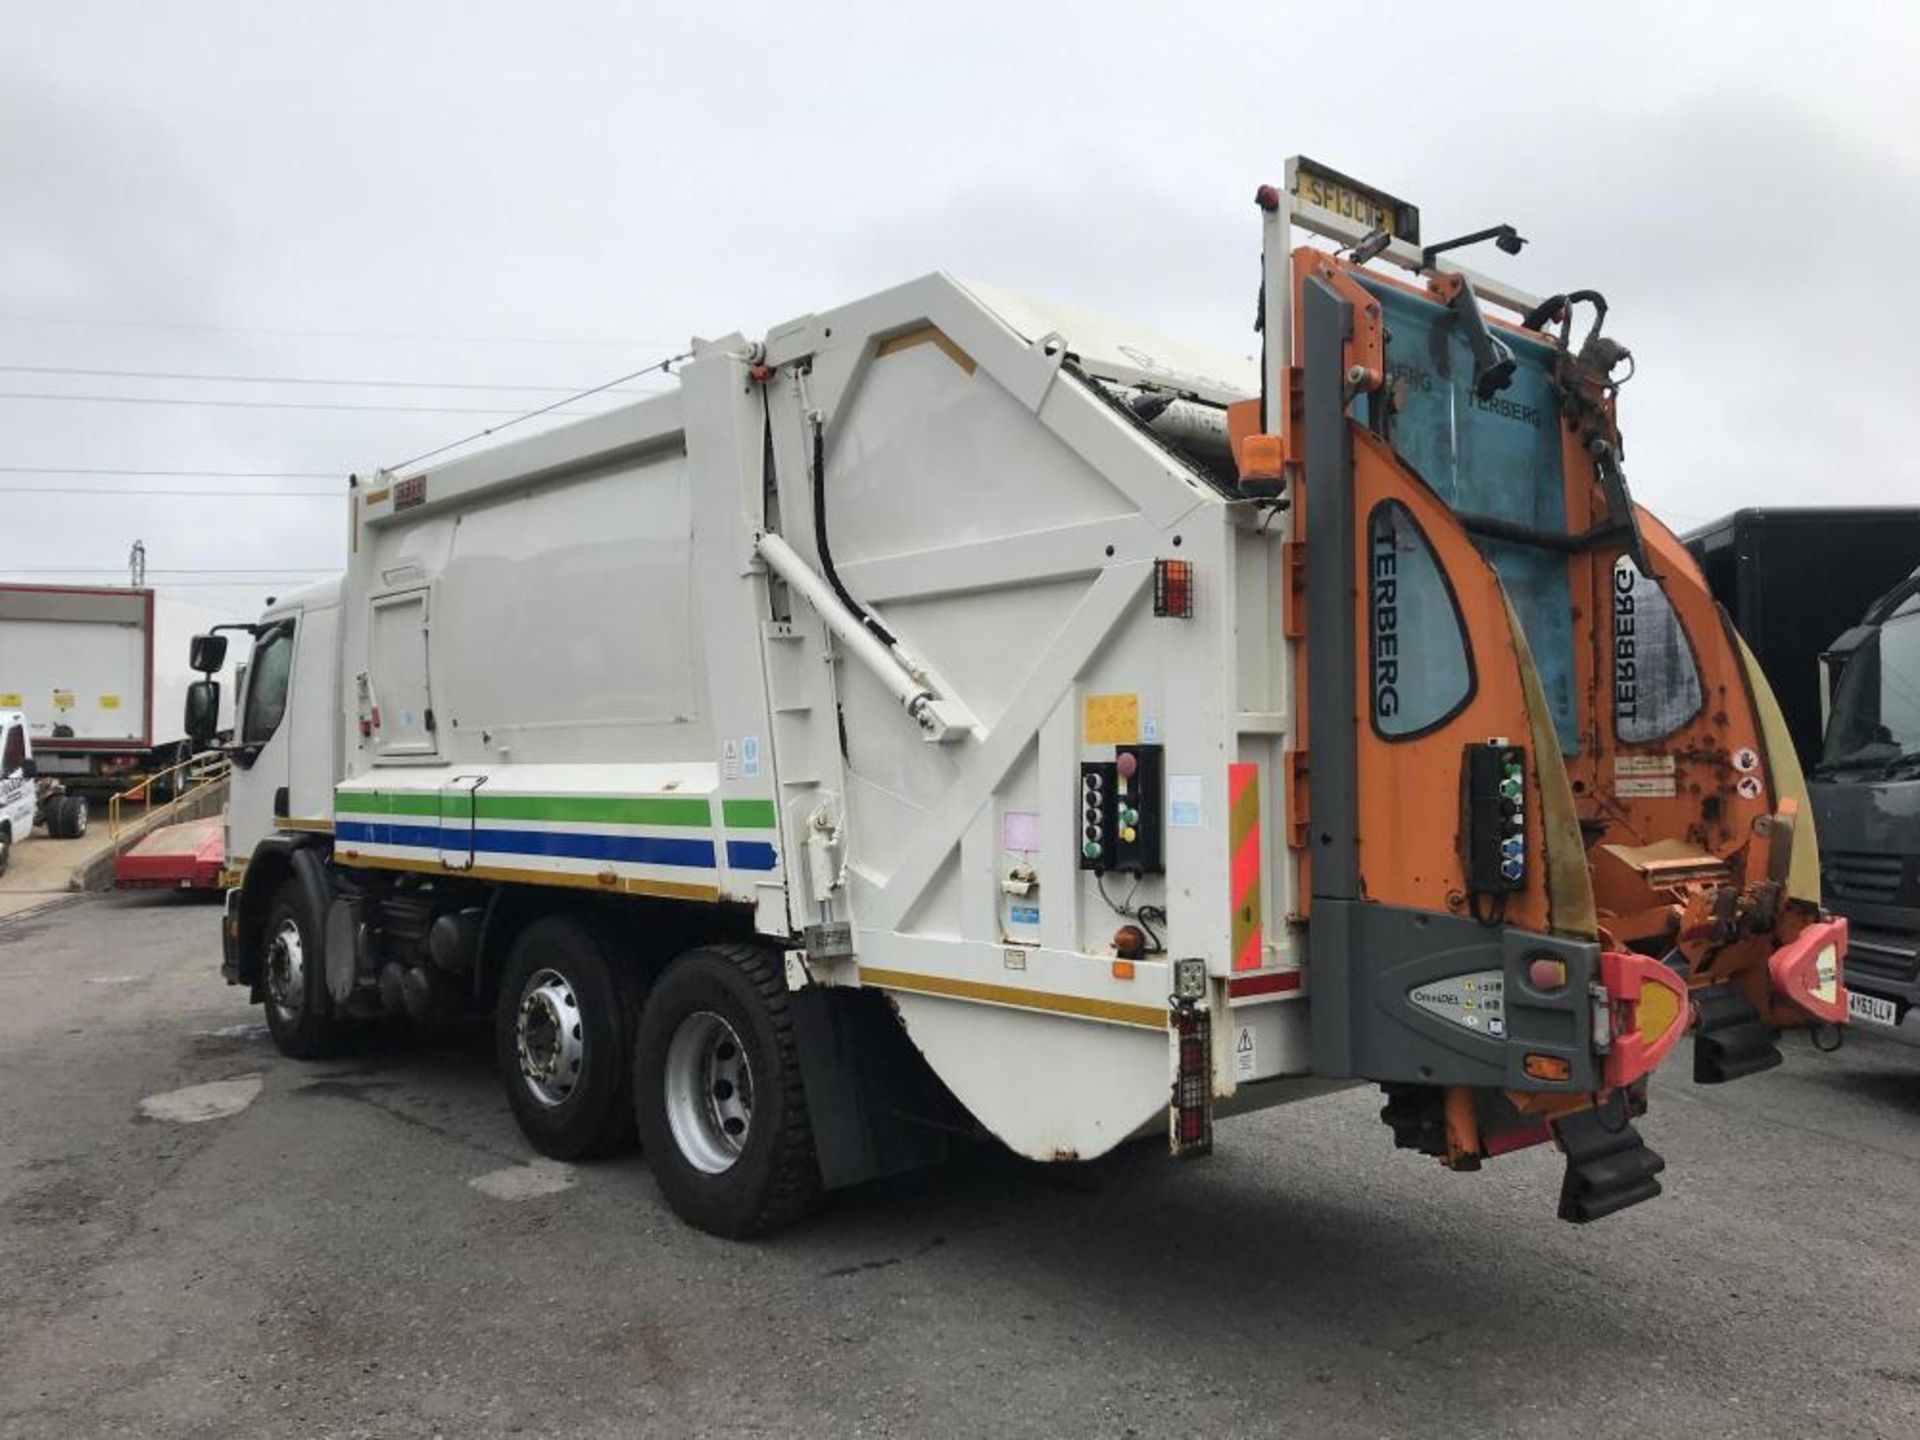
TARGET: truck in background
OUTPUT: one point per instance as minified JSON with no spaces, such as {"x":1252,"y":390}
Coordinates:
{"x":952,"y":708}
{"x":99,"y":673}
{"x":1866,"y":795}
{"x":1791,"y":578}
{"x":1812,"y":590}
{"x":28,"y":799}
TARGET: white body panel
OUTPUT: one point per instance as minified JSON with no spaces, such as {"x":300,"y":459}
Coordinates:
{"x":562,"y":661}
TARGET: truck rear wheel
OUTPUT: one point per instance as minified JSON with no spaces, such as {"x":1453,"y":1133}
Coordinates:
{"x":718,"y":1094}
{"x":6,"y":849}
{"x":290,"y":973}
{"x":564,"y":1039}
{"x":66,"y":817}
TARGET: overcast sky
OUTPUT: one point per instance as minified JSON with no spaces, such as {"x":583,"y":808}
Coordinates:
{"x":493,"y":195}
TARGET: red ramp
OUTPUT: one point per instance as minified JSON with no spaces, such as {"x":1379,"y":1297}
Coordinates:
{"x":187,"y":856}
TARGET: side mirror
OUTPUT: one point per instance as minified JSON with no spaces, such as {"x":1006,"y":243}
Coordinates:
{"x":29,"y":768}
{"x":208,"y":654}
{"x":203,"y":706}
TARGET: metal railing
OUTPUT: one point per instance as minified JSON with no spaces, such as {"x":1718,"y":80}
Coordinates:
{"x":185,"y":782}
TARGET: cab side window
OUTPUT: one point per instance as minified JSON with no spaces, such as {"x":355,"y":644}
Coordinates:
{"x":15,"y":754}
{"x":267,"y":677}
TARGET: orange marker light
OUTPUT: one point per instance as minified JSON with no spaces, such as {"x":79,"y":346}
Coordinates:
{"x":1547,"y":1067}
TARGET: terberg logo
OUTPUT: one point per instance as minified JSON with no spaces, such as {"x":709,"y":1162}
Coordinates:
{"x":1626,"y":685}
{"x":1386,"y":623}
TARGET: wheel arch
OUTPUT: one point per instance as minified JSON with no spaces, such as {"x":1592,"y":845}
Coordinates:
{"x":641,"y":933}
{"x":274,"y":861}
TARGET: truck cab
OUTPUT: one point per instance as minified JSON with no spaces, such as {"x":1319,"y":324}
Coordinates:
{"x":286,"y":725}
{"x":16,"y":783}
{"x":1866,"y":798}
{"x":26,"y":797}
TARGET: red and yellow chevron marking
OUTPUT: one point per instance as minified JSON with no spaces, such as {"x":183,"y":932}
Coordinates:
{"x":1243,"y":844}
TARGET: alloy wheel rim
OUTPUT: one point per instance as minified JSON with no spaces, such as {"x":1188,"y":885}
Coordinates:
{"x":550,"y":1037}
{"x":709,"y":1092}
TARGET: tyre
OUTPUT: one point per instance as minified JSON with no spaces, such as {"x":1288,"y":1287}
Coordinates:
{"x":721,"y":1108}
{"x":75,"y":824}
{"x":6,"y":849}
{"x":293,"y":978}
{"x":563,"y":1036}
{"x":56,"y":816}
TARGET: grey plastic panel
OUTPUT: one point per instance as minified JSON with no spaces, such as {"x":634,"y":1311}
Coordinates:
{"x":1387,"y":1026}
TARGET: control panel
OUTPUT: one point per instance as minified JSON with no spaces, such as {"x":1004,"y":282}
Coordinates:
{"x":1496,"y":786}
{"x":1121,"y":819}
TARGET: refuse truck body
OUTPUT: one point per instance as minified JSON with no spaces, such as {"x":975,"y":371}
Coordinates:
{"x":950,"y":713}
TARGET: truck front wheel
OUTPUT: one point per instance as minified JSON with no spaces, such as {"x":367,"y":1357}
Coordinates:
{"x":564,"y":1037}
{"x":290,"y":973}
{"x":718,"y":1093}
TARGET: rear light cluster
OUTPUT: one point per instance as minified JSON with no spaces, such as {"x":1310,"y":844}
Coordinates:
{"x":1173,"y":589}
{"x":1193,"y":1086}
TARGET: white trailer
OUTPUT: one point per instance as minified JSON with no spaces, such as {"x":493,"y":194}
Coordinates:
{"x":933,"y":714}
{"x":101,"y":674}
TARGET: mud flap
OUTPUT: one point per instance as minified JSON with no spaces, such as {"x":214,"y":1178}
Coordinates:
{"x":1731,"y":1040}
{"x":1608,"y":1168}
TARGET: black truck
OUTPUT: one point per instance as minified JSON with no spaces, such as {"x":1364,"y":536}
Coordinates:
{"x":1829,"y":601}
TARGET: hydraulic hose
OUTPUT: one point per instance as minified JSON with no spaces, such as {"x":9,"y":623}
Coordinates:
{"x":880,"y":632}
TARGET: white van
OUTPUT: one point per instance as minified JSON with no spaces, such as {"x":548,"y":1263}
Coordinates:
{"x":21,"y":800}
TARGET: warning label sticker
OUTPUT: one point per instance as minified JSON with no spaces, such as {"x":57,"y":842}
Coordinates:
{"x":1246,"y":1054}
{"x":1643,"y":764}
{"x":1112,"y":719}
{"x":1649,"y":777}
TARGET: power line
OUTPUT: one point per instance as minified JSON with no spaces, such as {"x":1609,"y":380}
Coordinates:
{"x":270,"y":572}
{"x":136,"y":490}
{"x":231,"y":379}
{"x":184,"y":474}
{"x":255,"y":585}
{"x":325,"y":334}
{"x":665,"y":367}
{"x":288,"y":404}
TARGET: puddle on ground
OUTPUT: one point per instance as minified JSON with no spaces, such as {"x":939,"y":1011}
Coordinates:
{"x":526,"y":1182}
{"x":214,"y":1100}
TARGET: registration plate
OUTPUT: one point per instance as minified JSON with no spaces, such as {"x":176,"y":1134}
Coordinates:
{"x":1329,"y":190}
{"x":1870,"y":1008}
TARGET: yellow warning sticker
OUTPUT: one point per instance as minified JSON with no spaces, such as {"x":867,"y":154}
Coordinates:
{"x":1112,"y":719}
{"x":109,"y":702}
{"x":63,"y":699}
{"x":11,"y":701}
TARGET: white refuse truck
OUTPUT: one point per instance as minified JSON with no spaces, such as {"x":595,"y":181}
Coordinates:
{"x":101,"y":673}
{"x":951,"y":710}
